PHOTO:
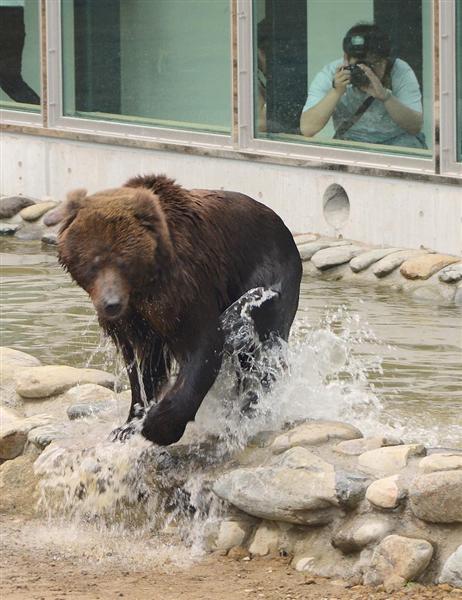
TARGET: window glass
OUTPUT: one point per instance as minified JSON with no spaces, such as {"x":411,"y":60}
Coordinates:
{"x":157,"y":62}
{"x":309,"y":86}
{"x":19,"y":55}
{"x":459,"y":78}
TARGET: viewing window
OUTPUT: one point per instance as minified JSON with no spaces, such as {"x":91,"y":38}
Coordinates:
{"x":459,"y":78}
{"x":155,"y":62}
{"x":383,"y":100}
{"x":19,"y":55}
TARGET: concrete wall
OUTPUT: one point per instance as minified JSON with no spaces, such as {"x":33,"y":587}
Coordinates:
{"x":383,"y":210}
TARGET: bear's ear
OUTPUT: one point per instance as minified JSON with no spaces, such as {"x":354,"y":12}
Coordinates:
{"x":149,"y":213}
{"x":69,"y":209}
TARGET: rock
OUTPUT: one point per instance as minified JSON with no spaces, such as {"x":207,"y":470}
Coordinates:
{"x":34,"y":212}
{"x":41,"y":437}
{"x":14,"y":430}
{"x":441,"y":462}
{"x":232,"y":534}
{"x":18,"y":486}
{"x":265,"y":541}
{"x":365,"y":260}
{"x":11,"y":205}
{"x":29,"y":231}
{"x":359,"y":446}
{"x":391,"y":459}
{"x":314,"y":434}
{"x":436,"y":497}
{"x":452,"y":569}
{"x":11,"y":361}
{"x":452,"y":273}
{"x":83,"y":411}
{"x":361,"y":532}
{"x":309,"y":249}
{"x":331,"y":257}
{"x":389,"y":263}
{"x":301,"y":458}
{"x":290,"y":495}
{"x":42,"y":382}
{"x":398,"y":556}
{"x":423,"y":267}
{"x":303,"y":238}
{"x":9,"y":228}
{"x":238,"y":553}
{"x":386,"y":493}
{"x":303,"y":563}
{"x":50,"y":238}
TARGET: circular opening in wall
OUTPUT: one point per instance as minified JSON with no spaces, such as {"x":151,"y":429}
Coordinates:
{"x":336,"y":206}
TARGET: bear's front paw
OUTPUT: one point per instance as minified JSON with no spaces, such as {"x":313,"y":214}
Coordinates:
{"x":125,"y":431}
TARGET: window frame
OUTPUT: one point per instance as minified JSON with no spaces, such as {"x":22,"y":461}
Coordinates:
{"x":315,"y":152}
{"x":450,"y":166}
{"x":57,"y":119}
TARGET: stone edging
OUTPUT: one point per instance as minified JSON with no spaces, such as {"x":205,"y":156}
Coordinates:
{"x":422,"y":273}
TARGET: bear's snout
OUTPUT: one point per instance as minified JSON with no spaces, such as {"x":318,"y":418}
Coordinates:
{"x":110,"y":295}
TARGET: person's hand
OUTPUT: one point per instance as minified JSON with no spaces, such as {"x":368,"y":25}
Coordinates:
{"x":341,"y":80}
{"x":375,"y":87}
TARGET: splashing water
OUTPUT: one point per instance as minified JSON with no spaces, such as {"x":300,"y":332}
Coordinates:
{"x":139,"y":490}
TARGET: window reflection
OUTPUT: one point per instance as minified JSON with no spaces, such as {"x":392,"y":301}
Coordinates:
{"x":155,"y":62}
{"x":459,"y":78}
{"x":19,"y":54}
{"x":366,"y":69}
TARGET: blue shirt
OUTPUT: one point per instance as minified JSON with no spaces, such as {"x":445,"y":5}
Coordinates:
{"x":375,"y":125}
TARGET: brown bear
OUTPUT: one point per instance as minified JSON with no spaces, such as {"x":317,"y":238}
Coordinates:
{"x":163,"y":265}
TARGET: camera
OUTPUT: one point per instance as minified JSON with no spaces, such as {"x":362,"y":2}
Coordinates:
{"x":358,"y":77}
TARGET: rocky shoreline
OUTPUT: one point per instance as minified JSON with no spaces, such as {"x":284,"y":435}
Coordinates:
{"x":370,"y":510}
{"x":422,"y":273}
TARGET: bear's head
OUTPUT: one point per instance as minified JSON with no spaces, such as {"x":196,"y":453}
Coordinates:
{"x":116,"y":246}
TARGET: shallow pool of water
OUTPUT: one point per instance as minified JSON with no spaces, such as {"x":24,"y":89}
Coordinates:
{"x":405,"y":356}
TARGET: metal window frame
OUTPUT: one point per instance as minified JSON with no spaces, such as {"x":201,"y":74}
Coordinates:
{"x":448,"y":110}
{"x":25,"y":117}
{"x":117,"y":129}
{"x":314,"y":152}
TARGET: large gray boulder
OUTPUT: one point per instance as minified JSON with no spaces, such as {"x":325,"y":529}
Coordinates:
{"x":437,"y":497}
{"x":452,"y":569}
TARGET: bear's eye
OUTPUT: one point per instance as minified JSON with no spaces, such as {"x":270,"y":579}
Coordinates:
{"x":148,"y":225}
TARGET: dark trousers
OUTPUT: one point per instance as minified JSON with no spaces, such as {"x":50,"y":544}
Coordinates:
{"x":12,"y":34}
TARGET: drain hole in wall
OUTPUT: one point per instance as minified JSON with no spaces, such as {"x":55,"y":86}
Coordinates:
{"x":336,"y":206}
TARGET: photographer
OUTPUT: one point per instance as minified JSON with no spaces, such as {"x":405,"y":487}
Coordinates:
{"x":371,"y":97}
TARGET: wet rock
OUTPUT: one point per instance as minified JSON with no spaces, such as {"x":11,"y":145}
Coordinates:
{"x":436,"y":497}
{"x":440,"y":462}
{"x":9,"y":228}
{"x":398,"y":557}
{"x":42,"y":382}
{"x":331,"y":257}
{"x":314,"y":434}
{"x":365,"y":260}
{"x":83,"y":411}
{"x":452,"y":273}
{"x":391,"y":459}
{"x":301,"y":458}
{"x":54,"y":216}
{"x":11,"y":205}
{"x":232,"y":534}
{"x":50,"y":238}
{"x":389,"y":263}
{"x":309,"y":249}
{"x":266,"y":540}
{"x":359,"y":446}
{"x":299,"y":495}
{"x":452,"y":569}
{"x":361,"y":532}
{"x":387,"y":492}
{"x":34,"y":212}
{"x":41,"y":437}
{"x":423,"y":267}
{"x":18,"y":486}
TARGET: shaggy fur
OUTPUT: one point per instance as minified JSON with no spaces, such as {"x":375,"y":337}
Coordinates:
{"x":161,"y":265}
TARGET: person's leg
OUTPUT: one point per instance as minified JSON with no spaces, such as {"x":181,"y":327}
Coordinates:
{"x":12,"y":35}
